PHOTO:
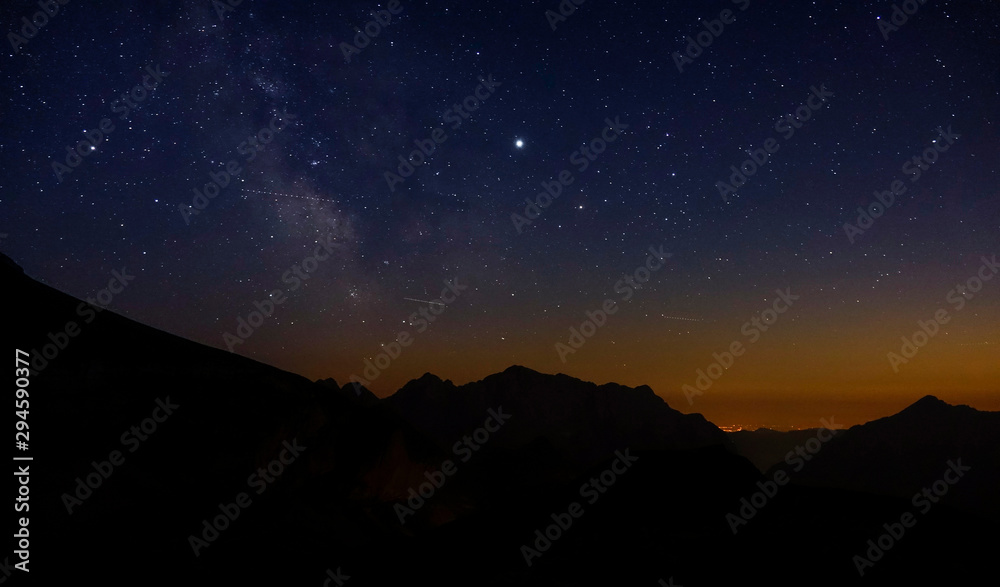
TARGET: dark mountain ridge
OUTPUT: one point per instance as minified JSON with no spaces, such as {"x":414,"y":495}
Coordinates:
{"x":900,"y":454}
{"x":582,"y":421}
{"x":335,"y":504}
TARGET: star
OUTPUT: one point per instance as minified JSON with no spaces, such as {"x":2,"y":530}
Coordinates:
{"x":519,"y":144}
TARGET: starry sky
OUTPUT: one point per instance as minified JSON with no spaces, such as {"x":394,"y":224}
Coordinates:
{"x":511,"y":96}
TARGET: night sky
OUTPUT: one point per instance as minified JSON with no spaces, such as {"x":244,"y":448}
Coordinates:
{"x":508,"y":105}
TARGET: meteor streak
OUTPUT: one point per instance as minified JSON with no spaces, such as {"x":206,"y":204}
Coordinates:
{"x":424,"y":301}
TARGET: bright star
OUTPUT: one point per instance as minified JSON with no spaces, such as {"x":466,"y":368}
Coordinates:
{"x":519,"y":143}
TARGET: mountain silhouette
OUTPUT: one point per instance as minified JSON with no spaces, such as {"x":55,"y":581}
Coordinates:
{"x":582,"y":422}
{"x":336,"y":504}
{"x":900,"y":454}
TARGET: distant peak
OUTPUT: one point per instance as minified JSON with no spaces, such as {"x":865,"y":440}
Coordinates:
{"x":427,"y":381}
{"x":518,"y":369}
{"x":328,"y":382}
{"x":518,"y":373}
{"x":429,"y":378}
{"x":930,"y":400}
{"x":926,"y":404}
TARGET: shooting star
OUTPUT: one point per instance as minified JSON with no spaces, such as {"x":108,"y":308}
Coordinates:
{"x":424,"y":301}
{"x":268,"y":193}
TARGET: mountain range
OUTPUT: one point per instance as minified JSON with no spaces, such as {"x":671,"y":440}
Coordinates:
{"x":523,"y":448}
